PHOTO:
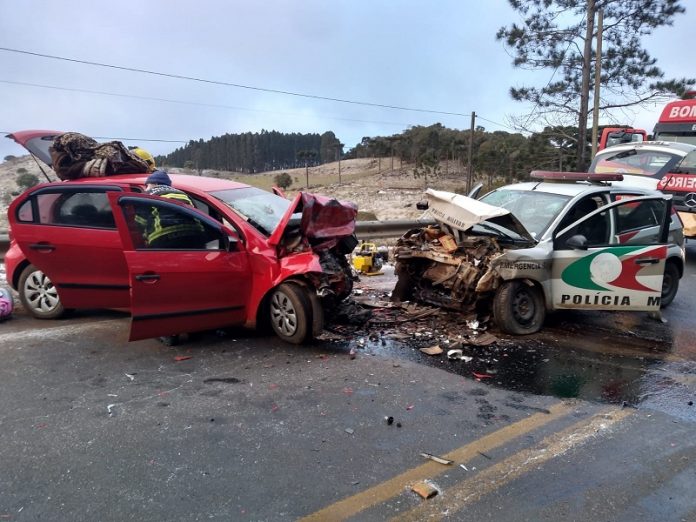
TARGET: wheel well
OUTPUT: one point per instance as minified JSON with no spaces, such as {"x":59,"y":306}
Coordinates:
{"x":18,"y":272}
{"x":262,"y":310}
{"x":680,"y":265}
{"x":534,"y":284}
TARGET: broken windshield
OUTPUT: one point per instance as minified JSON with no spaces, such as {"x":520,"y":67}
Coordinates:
{"x":535,"y":210}
{"x":261,"y":209}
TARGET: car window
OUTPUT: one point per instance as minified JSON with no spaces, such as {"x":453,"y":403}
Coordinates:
{"x":595,"y":230}
{"x":640,"y":162}
{"x":62,"y":207}
{"x":535,"y":210}
{"x":153,"y":225}
{"x":263,"y":210}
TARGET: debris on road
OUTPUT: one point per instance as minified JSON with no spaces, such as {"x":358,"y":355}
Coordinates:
{"x":432,"y":350}
{"x":349,"y":431}
{"x":179,"y":358}
{"x":390,"y":420}
{"x":437,"y":459}
{"x":424,"y":489}
{"x":110,"y":408}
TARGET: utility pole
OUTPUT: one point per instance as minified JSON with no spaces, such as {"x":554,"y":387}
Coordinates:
{"x":585,"y":87}
{"x":470,"y":166}
{"x":597,"y":78}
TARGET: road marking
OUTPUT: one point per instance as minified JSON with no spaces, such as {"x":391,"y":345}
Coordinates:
{"x":471,"y":490}
{"x":353,"y":505}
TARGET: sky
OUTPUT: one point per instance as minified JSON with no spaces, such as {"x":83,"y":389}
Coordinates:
{"x":430,"y":55}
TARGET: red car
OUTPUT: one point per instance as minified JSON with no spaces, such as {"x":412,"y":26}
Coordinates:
{"x":262,"y":260}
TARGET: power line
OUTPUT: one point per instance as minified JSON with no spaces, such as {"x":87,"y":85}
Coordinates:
{"x":228,"y":84}
{"x":185,"y":102}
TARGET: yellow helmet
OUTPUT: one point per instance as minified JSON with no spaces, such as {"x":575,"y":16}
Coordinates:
{"x":146,"y":156}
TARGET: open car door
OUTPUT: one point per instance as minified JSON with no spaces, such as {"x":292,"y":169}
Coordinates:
{"x":595,"y":267}
{"x":199,"y":280}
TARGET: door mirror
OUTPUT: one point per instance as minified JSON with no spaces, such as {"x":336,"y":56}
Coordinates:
{"x":577,"y":242}
{"x":476,"y":191}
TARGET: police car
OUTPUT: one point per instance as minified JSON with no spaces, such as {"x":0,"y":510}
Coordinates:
{"x":561,"y":241}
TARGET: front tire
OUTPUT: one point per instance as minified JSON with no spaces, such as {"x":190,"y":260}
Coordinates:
{"x":38,"y":295}
{"x":519,"y":308}
{"x":291,"y":313}
{"x":670,"y":284}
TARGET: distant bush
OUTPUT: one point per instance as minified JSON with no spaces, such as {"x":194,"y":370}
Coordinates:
{"x":10,"y":157}
{"x":21,"y":170}
{"x":26,"y":180}
{"x":283,"y":180}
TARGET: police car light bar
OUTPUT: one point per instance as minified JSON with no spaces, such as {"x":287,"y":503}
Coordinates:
{"x":548,"y":175}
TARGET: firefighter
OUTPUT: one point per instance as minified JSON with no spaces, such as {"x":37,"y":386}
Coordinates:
{"x":164,"y":229}
{"x":146,"y":157}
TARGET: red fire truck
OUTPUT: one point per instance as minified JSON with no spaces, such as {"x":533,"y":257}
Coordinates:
{"x":678,"y":121}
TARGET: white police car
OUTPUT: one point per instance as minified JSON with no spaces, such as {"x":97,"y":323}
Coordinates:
{"x":563,"y":241}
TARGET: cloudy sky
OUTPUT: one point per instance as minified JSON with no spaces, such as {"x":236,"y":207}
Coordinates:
{"x":438,"y":55}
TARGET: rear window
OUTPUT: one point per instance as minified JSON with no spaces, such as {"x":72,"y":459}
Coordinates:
{"x":649,"y":163}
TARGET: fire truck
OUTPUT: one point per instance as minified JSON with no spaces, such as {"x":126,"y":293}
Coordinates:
{"x":678,"y":121}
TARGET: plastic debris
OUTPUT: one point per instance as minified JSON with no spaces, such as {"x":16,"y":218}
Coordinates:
{"x":349,"y":431}
{"x":179,"y":358}
{"x":432,"y":350}
{"x":437,"y":459}
{"x":110,"y":408}
{"x":457,"y":355}
{"x":130,"y":376}
{"x":481,"y":376}
{"x":424,"y":489}
{"x":390,"y":420}
{"x":352,"y":353}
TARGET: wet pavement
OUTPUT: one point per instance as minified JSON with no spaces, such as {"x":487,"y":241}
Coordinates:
{"x":629,"y":359}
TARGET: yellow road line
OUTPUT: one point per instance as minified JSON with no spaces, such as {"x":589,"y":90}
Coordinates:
{"x":353,"y":505}
{"x":471,"y":490}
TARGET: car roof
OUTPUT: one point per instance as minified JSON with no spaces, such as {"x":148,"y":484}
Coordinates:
{"x":563,"y":188}
{"x":181,"y":181}
{"x":674,"y":147}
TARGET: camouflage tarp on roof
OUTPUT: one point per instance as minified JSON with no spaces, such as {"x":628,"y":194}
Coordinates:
{"x":75,"y":156}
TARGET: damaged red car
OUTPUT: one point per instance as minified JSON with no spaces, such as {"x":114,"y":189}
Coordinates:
{"x":259,"y":259}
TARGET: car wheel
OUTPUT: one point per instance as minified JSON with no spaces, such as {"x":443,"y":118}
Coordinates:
{"x":670,"y":284}
{"x":518,"y":308}
{"x":291,"y":313}
{"x":38,"y":295}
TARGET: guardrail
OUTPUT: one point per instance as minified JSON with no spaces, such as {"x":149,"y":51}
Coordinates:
{"x":363,"y":229}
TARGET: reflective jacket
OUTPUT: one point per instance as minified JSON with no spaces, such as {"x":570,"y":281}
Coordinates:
{"x":162,"y":225}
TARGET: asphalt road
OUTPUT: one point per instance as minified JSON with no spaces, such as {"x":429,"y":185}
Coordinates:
{"x":244,"y":427}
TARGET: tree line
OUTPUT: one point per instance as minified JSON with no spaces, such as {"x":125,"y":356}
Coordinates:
{"x":256,"y":152}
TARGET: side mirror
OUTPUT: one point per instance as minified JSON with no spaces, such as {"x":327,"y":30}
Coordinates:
{"x":577,"y":242}
{"x":475,"y":191}
{"x":422,"y":204}
{"x":230,"y":239}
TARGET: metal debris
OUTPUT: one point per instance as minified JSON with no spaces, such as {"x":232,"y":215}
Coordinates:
{"x":437,"y":459}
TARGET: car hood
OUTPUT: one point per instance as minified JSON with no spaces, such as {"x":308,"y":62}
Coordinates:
{"x":37,"y":142}
{"x":462,"y":213}
{"x":317,"y":218}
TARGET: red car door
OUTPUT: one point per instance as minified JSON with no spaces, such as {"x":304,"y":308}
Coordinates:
{"x":199,"y":280}
{"x":67,"y":231}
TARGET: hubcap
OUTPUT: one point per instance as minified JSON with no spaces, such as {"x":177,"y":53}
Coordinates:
{"x":40,"y":293}
{"x":283,"y":314}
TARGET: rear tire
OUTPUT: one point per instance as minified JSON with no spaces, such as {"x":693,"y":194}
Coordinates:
{"x":518,"y":308}
{"x":670,"y":284}
{"x":291,"y":313}
{"x":38,"y":295}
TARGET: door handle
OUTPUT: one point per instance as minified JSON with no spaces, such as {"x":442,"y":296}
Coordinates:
{"x":147,"y":278}
{"x":48,"y":247}
{"x":648,"y":261}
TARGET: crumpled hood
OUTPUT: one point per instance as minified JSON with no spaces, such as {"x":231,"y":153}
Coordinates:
{"x":462,"y":213}
{"x":320,"y":218}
